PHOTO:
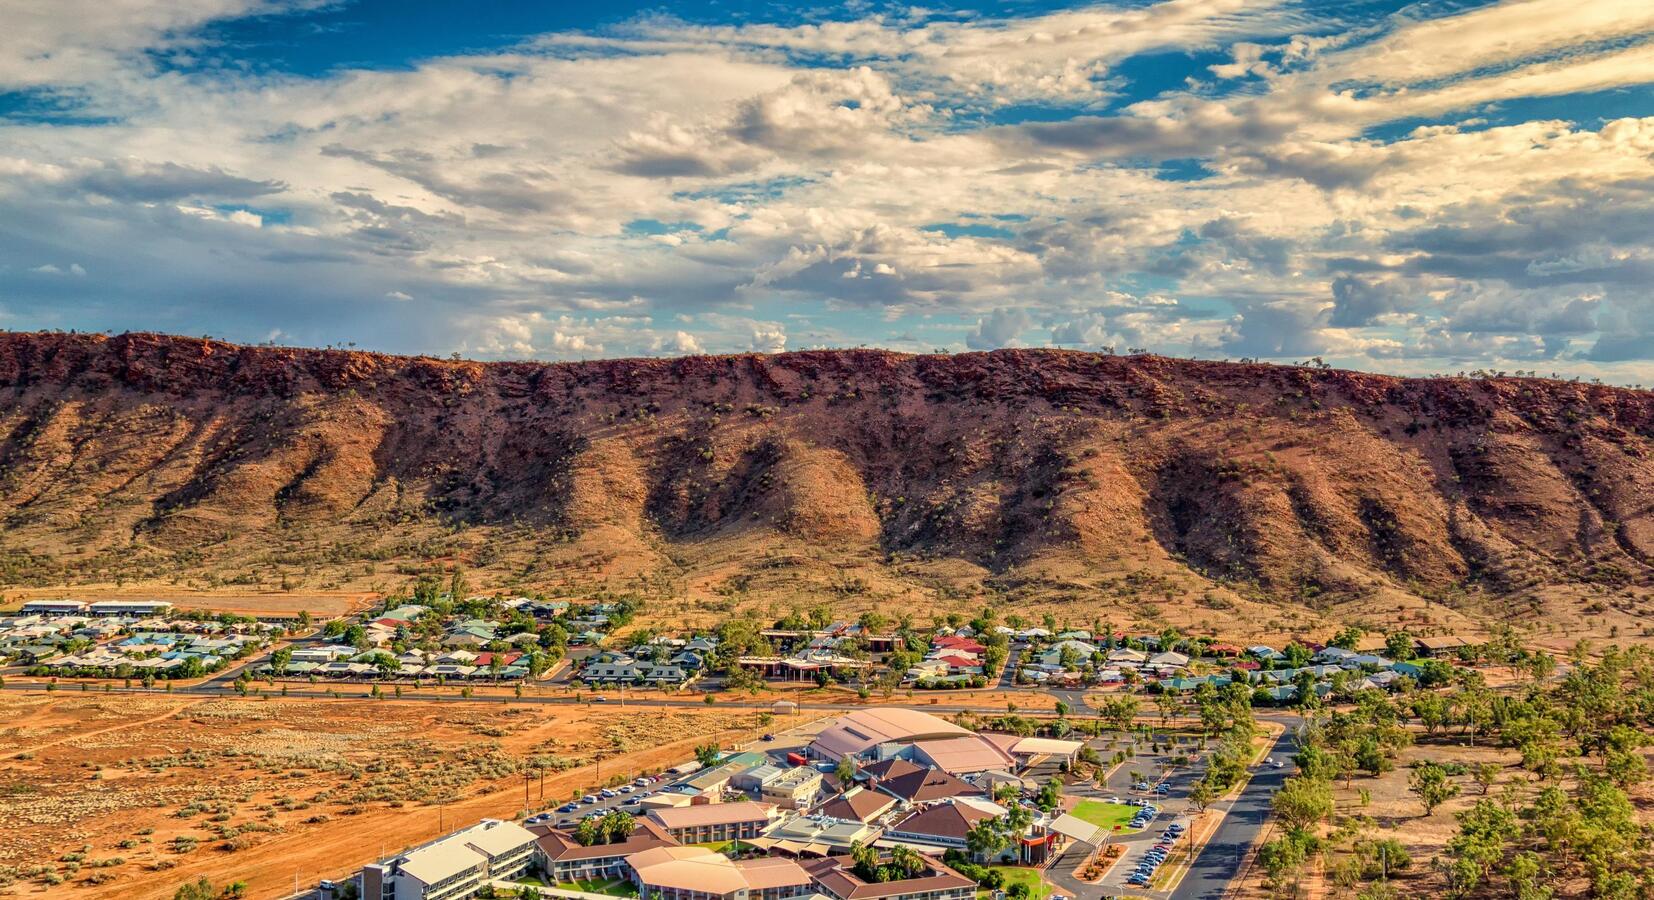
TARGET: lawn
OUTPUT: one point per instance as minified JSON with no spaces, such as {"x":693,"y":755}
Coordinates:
{"x":1104,"y":815}
{"x":1037,"y":889}
{"x":726,"y":847}
{"x":614,"y":887}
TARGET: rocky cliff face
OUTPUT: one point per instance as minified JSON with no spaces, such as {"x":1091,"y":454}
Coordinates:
{"x":142,"y":455}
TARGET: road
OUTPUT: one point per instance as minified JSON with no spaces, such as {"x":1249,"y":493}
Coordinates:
{"x":1219,"y":862}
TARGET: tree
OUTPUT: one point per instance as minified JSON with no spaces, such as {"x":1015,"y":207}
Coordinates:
{"x":1302,"y":802}
{"x":457,"y":588}
{"x":986,"y":840}
{"x":845,"y":771}
{"x":589,"y":832}
{"x":1119,"y":713}
{"x":1486,"y":774}
{"x":617,"y":826}
{"x":1346,"y":638}
{"x":1049,"y":796}
{"x":1370,"y":757}
{"x":708,"y":754}
{"x":1429,"y":781}
{"x":1201,"y":794}
{"x":1398,"y":645}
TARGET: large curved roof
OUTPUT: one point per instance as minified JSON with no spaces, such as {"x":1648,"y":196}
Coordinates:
{"x":704,"y":870}
{"x":856,"y":732}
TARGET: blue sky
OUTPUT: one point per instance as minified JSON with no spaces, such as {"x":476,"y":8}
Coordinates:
{"x":1413,"y":188}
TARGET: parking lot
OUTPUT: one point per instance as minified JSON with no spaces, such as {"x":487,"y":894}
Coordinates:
{"x":627,"y":797}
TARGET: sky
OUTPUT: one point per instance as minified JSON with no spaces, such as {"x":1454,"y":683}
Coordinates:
{"x":1414,"y":188}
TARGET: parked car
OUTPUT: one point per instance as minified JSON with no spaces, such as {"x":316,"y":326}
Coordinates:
{"x":641,"y":782}
{"x":589,"y":799}
{"x":768,"y":737}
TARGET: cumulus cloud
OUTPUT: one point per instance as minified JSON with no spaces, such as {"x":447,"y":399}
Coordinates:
{"x":998,"y":329}
{"x":1342,"y":183}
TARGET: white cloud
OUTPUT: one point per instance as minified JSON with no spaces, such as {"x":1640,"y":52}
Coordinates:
{"x":672,"y":188}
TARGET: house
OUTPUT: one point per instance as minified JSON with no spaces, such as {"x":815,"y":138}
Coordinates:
{"x":1080,"y":650}
{"x":1410,"y":669}
{"x":959,"y":665}
{"x":1266,"y":653}
{"x":960,"y":644}
{"x":1126,"y":656}
{"x":564,"y":859}
{"x":1333,"y":656}
{"x":1170,"y":659}
{"x":700,"y":873}
{"x":857,"y":804}
{"x":699,"y":824}
{"x":924,"y":785}
{"x":943,"y":826}
{"x":454,"y":867}
{"x":835,"y":876}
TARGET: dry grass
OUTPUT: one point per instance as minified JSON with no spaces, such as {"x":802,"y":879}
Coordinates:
{"x":264,"y":790}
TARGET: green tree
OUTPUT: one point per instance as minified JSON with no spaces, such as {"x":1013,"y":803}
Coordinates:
{"x":1302,"y":802}
{"x":845,"y":771}
{"x":1398,"y":645}
{"x":1430,"y":782}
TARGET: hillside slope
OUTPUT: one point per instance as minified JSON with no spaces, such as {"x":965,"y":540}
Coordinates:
{"x":1139,"y":489}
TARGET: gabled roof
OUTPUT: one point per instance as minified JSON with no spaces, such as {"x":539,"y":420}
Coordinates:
{"x":950,"y":821}
{"x":927,"y":784}
{"x":836,"y":878}
{"x":711,"y":814}
{"x":893,"y":767}
{"x":858,"y":804}
{"x":560,"y":846}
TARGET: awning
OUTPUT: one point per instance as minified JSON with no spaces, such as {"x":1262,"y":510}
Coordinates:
{"x":1076,"y":828}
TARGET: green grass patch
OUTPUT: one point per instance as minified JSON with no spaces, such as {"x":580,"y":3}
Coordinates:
{"x":726,"y":847}
{"x":614,"y":887}
{"x":1104,"y":815}
{"x":1037,"y":889}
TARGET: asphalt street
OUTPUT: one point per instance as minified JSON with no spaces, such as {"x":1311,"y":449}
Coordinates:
{"x":1219,"y":863}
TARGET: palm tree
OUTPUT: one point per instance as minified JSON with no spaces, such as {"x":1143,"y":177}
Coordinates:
{"x":617,"y":826}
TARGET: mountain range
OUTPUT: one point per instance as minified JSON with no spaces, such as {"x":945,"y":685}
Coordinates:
{"x":1135,"y":489}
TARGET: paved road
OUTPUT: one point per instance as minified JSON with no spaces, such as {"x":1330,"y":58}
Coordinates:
{"x":1219,"y":862}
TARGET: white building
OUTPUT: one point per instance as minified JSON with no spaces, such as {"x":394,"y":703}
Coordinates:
{"x":455,"y":867}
